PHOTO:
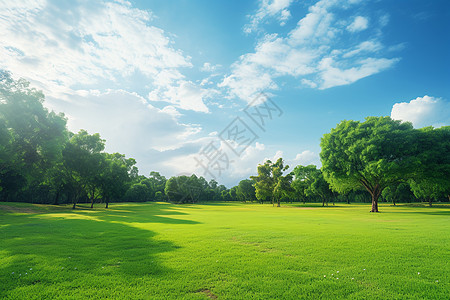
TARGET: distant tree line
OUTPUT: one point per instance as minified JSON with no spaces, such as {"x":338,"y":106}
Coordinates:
{"x":41,"y":161}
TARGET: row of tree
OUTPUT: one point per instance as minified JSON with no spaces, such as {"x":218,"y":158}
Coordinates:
{"x":385,"y":157}
{"x":41,"y":161}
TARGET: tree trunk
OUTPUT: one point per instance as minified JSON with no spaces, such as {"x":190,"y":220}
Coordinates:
{"x":278,"y":203}
{"x":431,"y":200}
{"x":107,"y":203}
{"x":393,"y":201}
{"x":374,"y":202}
{"x":56,"y":201}
{"x":73,"y":207}
{"x":375,"y":192}
{"x":92,"y":203}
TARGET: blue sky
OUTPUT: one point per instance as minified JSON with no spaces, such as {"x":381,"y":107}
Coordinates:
{"x":162,"y":80}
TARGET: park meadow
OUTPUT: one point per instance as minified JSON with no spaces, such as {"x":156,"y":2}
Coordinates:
{"x":235,"y":150}
{"x":224,"y":251}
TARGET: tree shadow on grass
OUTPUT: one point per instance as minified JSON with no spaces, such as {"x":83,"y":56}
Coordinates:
{"x":60,"y":250}
{"x":152,"y":213}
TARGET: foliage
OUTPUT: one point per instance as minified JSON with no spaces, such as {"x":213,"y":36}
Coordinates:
{"x":372,"y":155}
{"x":246,"y":191}
{"x":270,"y":184}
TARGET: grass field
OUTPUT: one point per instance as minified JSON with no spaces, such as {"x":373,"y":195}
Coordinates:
{"x":224,"y":251}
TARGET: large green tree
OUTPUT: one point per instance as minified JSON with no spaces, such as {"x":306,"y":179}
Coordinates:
{"x":371,"y":155}
{"x":32,"y":137}
{"x":431,"y":177}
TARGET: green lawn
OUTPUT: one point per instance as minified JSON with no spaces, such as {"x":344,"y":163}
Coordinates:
{"x":224,"y":251}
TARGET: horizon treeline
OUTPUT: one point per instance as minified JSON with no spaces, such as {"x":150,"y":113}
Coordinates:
{"x":41,"y":161}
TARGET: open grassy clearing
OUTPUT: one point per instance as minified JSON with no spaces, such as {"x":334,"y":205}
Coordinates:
{"x":224,"y":251}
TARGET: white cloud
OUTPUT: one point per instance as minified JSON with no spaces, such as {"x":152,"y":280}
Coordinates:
{"x":306,"y":157}
{"x":103,"y":44}
{"x":334,"y":76}
{"x":208,"y":67}
{"x":128,"y":123}
{"x":312,"y":52}
{"x":186,"y":95}
{"x":269,"y":8}
{"x":365,"y":47}
{"x":384,"y":20}
{"x":247,"y":80}
{"x":423,"y":111}
{"x":358,"y":24}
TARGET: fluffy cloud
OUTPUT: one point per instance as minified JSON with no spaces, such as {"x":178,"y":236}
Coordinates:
{"x":269,"y":8}
{"x":103,"y":44}
{"x":313,"y":52}
{"x":358,"y":24}
{"x":307,"y":157}
{"x":423,"y":111}
{"x":332,"y":75}
{"x":106,"y":45}
{"x":186,"y":95}
{"x":130,"y":125}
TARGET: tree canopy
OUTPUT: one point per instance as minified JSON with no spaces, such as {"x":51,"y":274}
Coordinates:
{"x":371,"y":155}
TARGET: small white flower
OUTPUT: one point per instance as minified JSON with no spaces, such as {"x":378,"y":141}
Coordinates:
{"x":364,"y":269}
{"x":62,"y":268}
{"x":337,"y":278}
{"x":12,"y":273}
{"x":324,"y":275}
{"x":332,"y":274}
{"x":353,"y":278}
{"x":418,"y":273}
{"x":31,"y":269}
{"x":21,"y":275}
{"x":26,"y":273}
{"x":437,"y":280}
{"x":103,"y":267}
{"x":337,"y":272}
{"x":75,"y":268}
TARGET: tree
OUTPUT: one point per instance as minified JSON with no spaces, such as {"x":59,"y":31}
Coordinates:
{"x":431,"y":177}
{"x":319,"y":187}
{"x":302,"y":181}
{"x":115,"y":177}
{"x":246,"y":191}
{"x":83,"y":162}
{"x":158,"y":182}
{"x":233,"y":193}
{"x":178,"y":189}
{"x":270,"y":182}
{"x":33,"y":137}
{"x":138,"y":192}
{"x":372,"y":155}
{"x":398,"y":193}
